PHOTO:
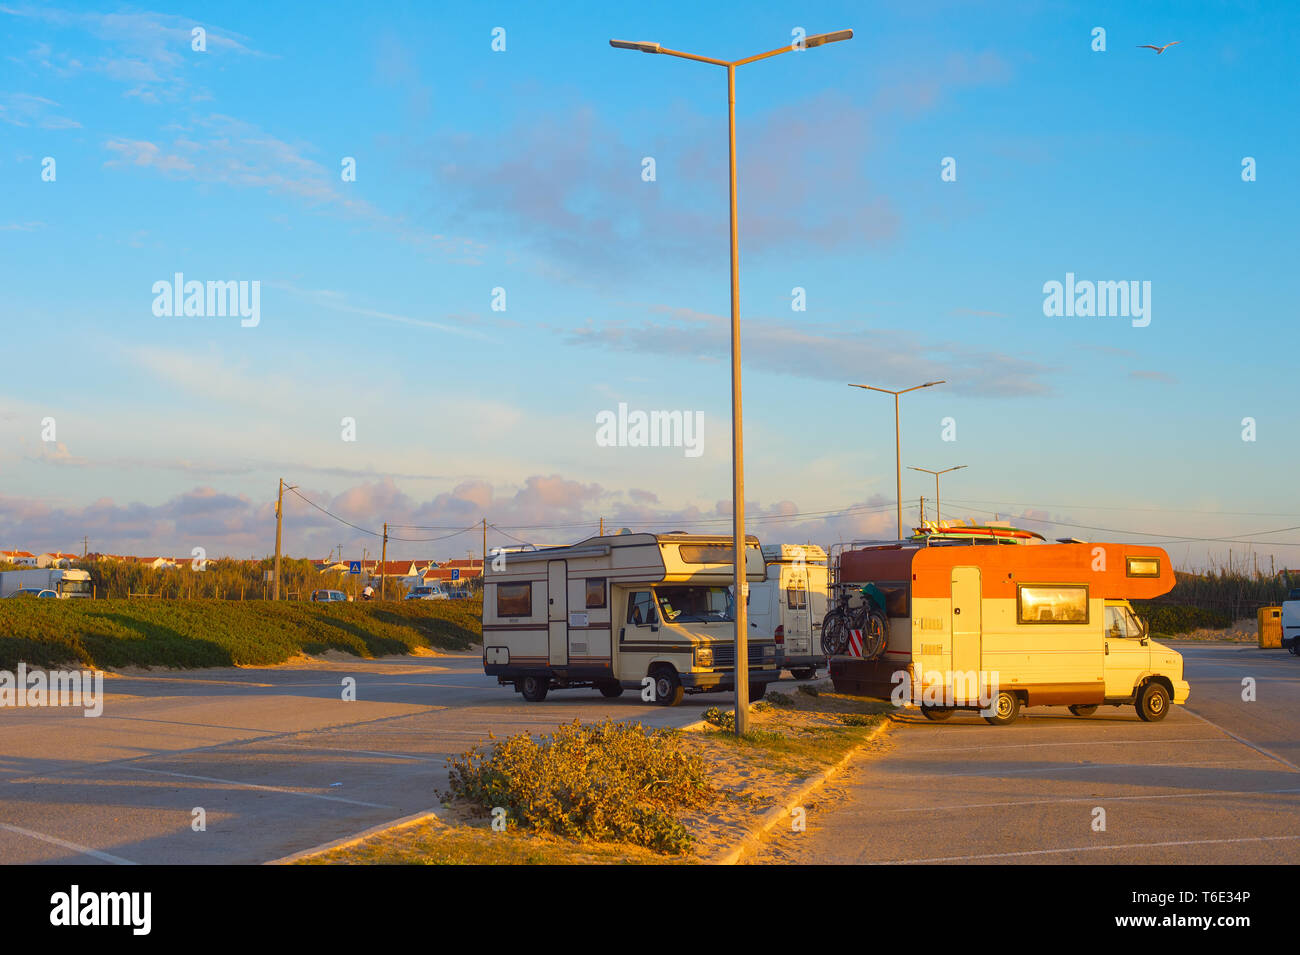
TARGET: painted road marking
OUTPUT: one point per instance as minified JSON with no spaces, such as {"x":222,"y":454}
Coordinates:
{"x":274,"y":789}
{"x":1046,"y":852}
{"x":53,"y":840}
{"x":1211,"y":793}
{"x":1246,"y":742}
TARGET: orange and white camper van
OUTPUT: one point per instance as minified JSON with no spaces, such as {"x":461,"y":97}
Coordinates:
{"x":651,"y":612}
{"x":1019,"y":623}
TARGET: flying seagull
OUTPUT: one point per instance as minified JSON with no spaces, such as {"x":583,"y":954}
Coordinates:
{"x":1158,"y":49}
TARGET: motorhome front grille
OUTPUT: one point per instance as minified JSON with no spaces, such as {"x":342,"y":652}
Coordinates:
{"x":724,"y":654}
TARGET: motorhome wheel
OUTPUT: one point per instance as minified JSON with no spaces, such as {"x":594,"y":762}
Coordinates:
{"x":1079,"y":709}
{"x":533,"y":688}
{"x":1153,"y":702}
{"x":757,"y":691}
{"x":668,"y":687}
{"x":804,"y":673}
{"x":936,"y":713}
{"x":1005,"y":709}
{"x":610,"y":689}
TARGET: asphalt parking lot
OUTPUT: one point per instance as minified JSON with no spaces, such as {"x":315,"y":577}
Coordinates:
{"x":279,"y":762}
{"x":275,"y":758}
{"x":1216,"y":782}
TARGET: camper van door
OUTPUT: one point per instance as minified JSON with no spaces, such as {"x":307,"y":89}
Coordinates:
{"x":557,"y":618}
{"x":798,"y":632}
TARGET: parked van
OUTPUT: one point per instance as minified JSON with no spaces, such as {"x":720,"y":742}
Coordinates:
{"x":1291,"y":621}
{"x":996,"y":628}
{"x":66,"y":584}
{"x":790,"y":604}
{"x":611,"y":611}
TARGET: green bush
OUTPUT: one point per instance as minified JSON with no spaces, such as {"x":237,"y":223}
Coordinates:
{"x":1171,"y":619}
{"x":723,"y":719}
{"x":612,"y":782}
{"x":199,"y":633}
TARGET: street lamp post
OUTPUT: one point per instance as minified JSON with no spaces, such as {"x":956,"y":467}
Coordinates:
{"x":938,"y":515}
{"x":898,"y":441}
{"x":737,"y":443}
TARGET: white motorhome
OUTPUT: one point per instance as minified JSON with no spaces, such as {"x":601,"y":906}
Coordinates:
{"x":1291,"y":621}
{"x":610,"y":611}
{"x":790,"y":604}
{"x":65,"y":583}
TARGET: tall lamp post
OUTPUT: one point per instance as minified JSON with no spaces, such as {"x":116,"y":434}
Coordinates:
{"x":737,"y":456}
{"x":937,"y":513}
{"x":898,"y":440}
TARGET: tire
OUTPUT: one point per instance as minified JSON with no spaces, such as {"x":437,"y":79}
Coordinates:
{"x":757,"y":691}
{"x":610,"y":689}
{"x":937,"y":714}
{"x":1006,"y":708}
{"x":835,"y":633}
{"x":1295,"y":647}
{"x":533,"y":688}
{"x":1081,"y":709}
{"x":1152,"y":703}
{"x":804,"y":673}
{"x":668,"y":686}
{"x":875,"y":634}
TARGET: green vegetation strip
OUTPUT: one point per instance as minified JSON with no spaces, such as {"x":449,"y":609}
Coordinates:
{"x":206,"y":633}
{"x":620,"y":793}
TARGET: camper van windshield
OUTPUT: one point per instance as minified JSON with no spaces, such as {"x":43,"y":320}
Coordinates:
{"x":694,"y":604}
{"x":74,"y":586}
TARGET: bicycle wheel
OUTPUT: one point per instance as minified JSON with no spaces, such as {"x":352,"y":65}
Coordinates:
{"x":835,"y":633}
{"x":875,"y":634}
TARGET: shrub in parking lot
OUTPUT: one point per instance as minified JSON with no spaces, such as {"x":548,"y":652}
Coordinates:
{"x":613,"y":782}
{"x":723,"y":719}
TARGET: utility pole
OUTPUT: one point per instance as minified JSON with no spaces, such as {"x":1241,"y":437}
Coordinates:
{"x":485,"y":546}
{"x":898,"y":442}
{"x":383,"y":563}
{"x":85,"y":547}
{"x":602,"y":527}
{"x":923,"y":510}
{"x":279,"y":523}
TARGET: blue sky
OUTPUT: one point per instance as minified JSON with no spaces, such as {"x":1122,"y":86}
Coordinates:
{"x":522,"y":170}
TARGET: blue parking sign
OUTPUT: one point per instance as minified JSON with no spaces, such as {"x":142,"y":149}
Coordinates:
{"x":455,"y":573}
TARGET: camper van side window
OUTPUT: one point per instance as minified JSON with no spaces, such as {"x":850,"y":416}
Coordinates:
{"x":641,"y":609}
{"x":515,"y":600}
{"x":1052,"y":603}
{"x":595,"y":592}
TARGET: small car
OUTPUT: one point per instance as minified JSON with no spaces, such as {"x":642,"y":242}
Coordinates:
{"x":33,"y":592}
{"x":328,"y":596}
{"x":427,"y":593}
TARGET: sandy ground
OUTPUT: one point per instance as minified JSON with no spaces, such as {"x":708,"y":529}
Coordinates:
{"x":1245,"y":630}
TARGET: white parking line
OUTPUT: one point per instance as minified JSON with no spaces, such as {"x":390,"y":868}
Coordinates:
{"x":1082,"y":742}
{"x":53,"y":840}
{"x":1246,"y":742}
{"x":1048,"y":852}
{"x":274,"y":789}
{"x":1210,"y":793}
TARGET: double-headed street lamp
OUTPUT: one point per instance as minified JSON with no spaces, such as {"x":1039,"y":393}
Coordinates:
{"x":937,"y":513}
{"x":898,"y":440}
{"x":737,"y":457}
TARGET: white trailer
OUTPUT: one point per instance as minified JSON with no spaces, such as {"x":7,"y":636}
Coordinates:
{"x":65,"y":583}
{"x":609,"y":612}
{"x":790,"y":604}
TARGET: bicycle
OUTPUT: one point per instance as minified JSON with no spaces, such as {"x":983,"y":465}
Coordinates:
{"x":868,"y":617}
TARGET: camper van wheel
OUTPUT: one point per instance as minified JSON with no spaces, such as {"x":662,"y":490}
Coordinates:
{"x":533,"y":688}
{"x":936,"y":713}
{"x":804,"y":673}
{"x":1153,"y":702}
{"x":668,"y":687}
{"x":1079,"y":709}
{"x":610,"y":689}
{"x":757,"y":691}
{"x":1005,"y":709}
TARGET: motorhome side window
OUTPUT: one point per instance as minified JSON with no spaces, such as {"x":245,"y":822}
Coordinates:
{"x":515,"y":600}
{"x":895,"y":598}
{"x":641,"y":609}
{"x":595,"y":592}
{"x":1052,"y":603}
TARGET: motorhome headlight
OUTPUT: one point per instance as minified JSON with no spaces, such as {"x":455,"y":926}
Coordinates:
{"x":704,"y":656}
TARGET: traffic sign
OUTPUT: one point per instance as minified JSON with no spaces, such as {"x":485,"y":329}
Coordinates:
{"x":455,"y":573}
{"x":354,"y":567}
